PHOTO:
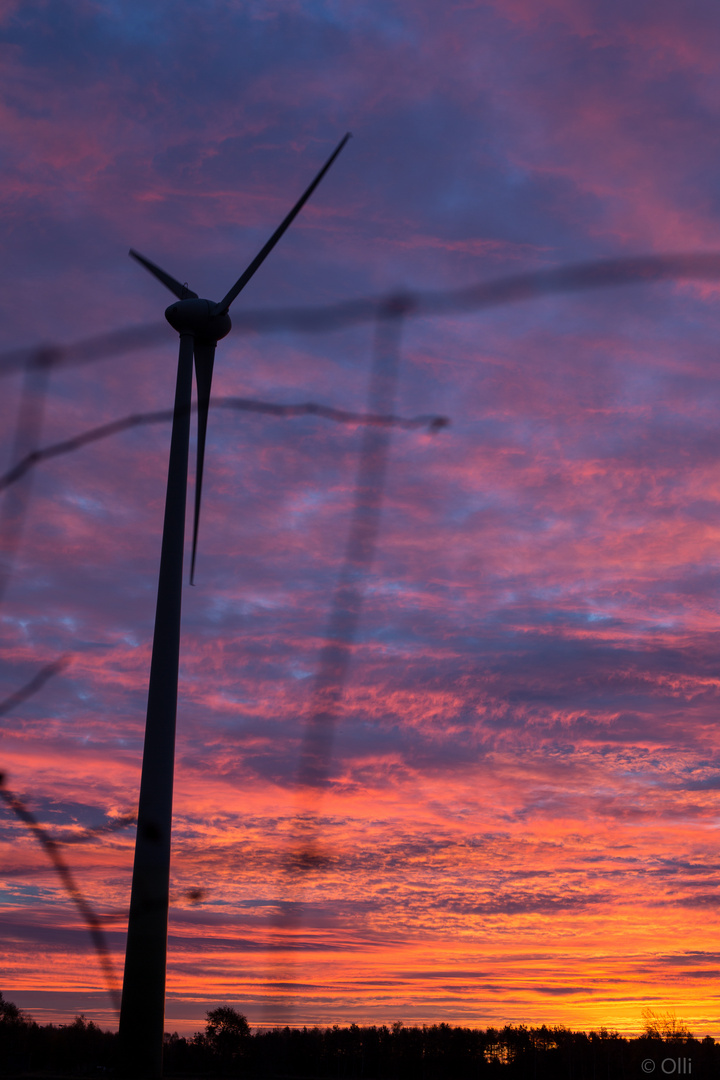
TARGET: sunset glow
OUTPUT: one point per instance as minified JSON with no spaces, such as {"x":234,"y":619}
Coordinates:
{"x":521,"y":819}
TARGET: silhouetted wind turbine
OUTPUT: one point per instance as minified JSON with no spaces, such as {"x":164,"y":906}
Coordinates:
{"x":201,"y":324}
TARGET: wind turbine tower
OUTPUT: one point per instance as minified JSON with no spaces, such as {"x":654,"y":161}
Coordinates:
{"x":200,"y":324}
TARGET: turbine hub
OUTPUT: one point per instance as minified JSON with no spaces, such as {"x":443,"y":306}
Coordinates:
{"x":196,"y":317}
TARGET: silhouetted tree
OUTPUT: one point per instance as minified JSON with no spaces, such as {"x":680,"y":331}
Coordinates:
{"x":9,"y":1013}
{"x":226,"y":1035}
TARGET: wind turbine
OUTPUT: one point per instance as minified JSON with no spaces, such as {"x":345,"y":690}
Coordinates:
{"x":200,"y":324}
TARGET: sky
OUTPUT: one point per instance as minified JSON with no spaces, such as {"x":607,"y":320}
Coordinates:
{"x":519,"y":822}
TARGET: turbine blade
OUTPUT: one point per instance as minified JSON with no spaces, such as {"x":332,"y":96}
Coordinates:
{"x":181,"y":291}
{"x":204,"y":360}
{"x":262,"y":255}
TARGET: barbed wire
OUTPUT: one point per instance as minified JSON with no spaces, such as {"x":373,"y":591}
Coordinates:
{"x":92,"y":921}
{"x":35,"y":684}
{"x":50,"y":844}
{"x":311,"y":408}
{"x":413,"y":303}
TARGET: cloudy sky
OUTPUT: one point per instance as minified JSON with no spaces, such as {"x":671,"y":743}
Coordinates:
{"x":520,"y":820}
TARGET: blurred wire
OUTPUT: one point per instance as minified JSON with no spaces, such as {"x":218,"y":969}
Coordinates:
{"x":576,"y":277}
{"x":24,"y":464}
{"x":35,"y":684}
{"x":28,"y":427}
{"x":92,"y":921}
{"x":89,"y":349}
{"x":359,"y":554}
{"x":304,"y":855}
{"x":50,"y":845}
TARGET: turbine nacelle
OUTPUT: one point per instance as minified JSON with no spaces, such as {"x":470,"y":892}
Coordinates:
{"x":198,"y":318}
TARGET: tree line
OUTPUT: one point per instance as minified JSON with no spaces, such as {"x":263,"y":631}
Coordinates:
{"x":227,"y":1047}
